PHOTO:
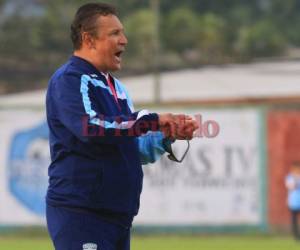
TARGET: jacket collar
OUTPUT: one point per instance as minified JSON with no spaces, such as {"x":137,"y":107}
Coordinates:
{"x":88,"y":66}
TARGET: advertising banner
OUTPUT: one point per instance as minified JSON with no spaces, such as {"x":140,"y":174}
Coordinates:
{"x":23,"y":167}
{"x":220,"y":182}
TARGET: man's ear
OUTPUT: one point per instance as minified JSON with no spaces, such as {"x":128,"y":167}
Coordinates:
{"x":88,"y":40}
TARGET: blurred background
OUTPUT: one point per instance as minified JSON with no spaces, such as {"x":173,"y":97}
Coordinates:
{"x":235,"y":63}
{"x":35,"y":35}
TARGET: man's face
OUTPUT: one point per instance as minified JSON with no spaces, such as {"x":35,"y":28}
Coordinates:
{"x":110,"y":43}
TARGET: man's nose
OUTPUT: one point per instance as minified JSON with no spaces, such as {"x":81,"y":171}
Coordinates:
{"x":123,"y":40}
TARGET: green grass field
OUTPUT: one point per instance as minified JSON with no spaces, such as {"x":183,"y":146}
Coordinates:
{"x":171,"y":243}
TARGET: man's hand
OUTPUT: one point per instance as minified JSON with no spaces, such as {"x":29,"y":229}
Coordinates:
{"x":186,"y":127}
{"x":167,"y":125}
{"x":180,"y":126}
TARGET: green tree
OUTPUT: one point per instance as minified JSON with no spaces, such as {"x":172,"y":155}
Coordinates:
{"x":285,"y":15}
{"x":260,"y":40}
{"x":180,"y":30}
{"x":212,"y":39}
{"x":16,"y":37}
{"x":140,"y":29}
{"x":54,"y":31}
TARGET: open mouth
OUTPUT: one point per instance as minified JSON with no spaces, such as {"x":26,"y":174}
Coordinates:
{"x":118,"y":54}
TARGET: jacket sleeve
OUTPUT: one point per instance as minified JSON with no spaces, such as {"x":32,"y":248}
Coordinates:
{"x":74,"y":108}
{"x":152,"y":146}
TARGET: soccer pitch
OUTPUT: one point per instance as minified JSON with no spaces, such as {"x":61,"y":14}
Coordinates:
{"x":172,"y":243}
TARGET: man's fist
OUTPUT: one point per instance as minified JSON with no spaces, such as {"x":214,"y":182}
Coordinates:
{"x":179,"y":126}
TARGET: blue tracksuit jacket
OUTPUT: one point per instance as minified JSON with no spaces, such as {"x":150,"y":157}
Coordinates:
{"x":97,"y":146}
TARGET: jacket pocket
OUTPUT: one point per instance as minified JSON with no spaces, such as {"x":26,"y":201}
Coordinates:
{"x":116,"y":186}
{"x":87,"y":179}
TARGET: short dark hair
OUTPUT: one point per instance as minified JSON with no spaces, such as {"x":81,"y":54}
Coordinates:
{"x":85,"y":20}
